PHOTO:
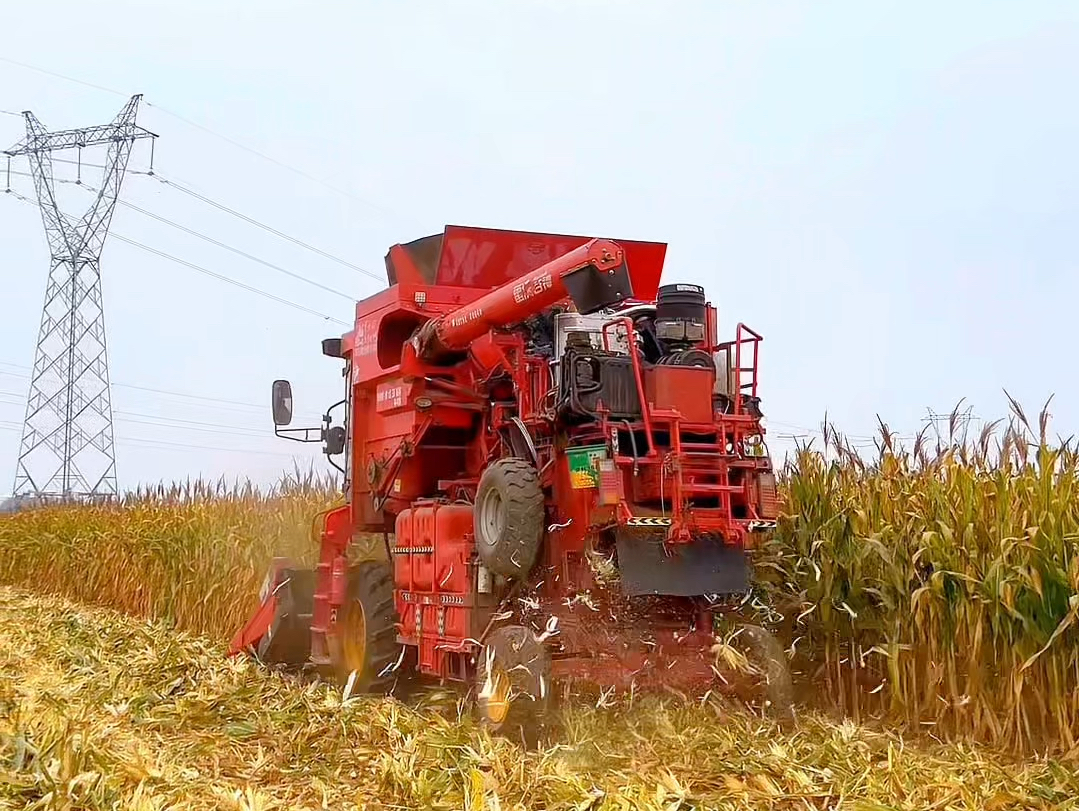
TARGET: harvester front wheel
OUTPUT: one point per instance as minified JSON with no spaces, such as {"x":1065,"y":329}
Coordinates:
{"x":512,"y":684}
{"x":508,"y":517}
{"x":365,"y":640}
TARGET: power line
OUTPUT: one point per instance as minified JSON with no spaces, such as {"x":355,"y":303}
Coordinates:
{"x":238,"y":403}
{"x":186,"y":189}
{"x":236,"y":251}
{"x":155,"y":443}
{"x":233,"y":142}
{"x":251,"y":220}
{"x":16,"y":173}
{"x":192,"y":425}
{"x":208,"y":272}
{"x":227,"y":247}
{"x":186,"y":395}
{"x":274,"y":161}
{"x":209,"y":131}
{"x":229,"y":280}
{"x":219,"y":244}
{"x":61,"y":76}
{"x":238,"y":430}
{"x":166,"y":425}
{"x":175,"y":423}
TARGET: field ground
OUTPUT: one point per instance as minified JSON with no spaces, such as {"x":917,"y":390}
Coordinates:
{"x":100,"y":710}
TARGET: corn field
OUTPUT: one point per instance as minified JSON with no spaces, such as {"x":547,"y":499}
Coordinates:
{"x":935,"y":586}
{"x":939,"y":586}
{"x":191,"y":554}
{"x":100,"y":711}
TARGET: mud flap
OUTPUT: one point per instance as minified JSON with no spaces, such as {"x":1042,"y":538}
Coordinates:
{"x":682,"y":570}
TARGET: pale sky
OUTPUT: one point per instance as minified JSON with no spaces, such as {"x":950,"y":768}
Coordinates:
{"x":885,"y":190}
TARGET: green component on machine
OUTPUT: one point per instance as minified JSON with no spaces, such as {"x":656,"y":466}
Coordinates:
{"x":583,"y":465}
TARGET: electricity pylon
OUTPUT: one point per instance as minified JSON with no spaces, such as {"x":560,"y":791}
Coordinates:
{"x":67,"y":447}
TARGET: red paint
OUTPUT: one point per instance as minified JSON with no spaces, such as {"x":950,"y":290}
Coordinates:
{"x":487,"y":257}
{"x":519,"y":298}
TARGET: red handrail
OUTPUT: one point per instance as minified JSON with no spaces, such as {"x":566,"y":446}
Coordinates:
{"x":739,"y":339}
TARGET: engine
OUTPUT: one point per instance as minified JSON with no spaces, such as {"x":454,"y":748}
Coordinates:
{"x":592,"y":368}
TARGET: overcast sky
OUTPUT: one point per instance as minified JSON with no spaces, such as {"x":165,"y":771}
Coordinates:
{"x":885,"y":190}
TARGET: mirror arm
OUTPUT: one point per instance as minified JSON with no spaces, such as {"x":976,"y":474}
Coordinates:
{"x":332,"y":462}
{"x":298,"y":434}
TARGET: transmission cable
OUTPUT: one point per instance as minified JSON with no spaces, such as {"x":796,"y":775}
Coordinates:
{"x":275,"y":161}
{"x":229,"y":280}
{"x":170,"y":423}
{"x":186,"y":189}
{"x":207,"y":271}
{"x":204,"y":237}
{"x":156,"y":443}
{"x":236,"y":251}
{"x":187,"y":395}
{"x":252,"y":221}
{"x":11,"y":61}
{"x":208,"y":131}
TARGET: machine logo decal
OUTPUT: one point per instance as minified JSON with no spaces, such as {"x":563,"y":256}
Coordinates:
{"x":365,"y":340}
{"x":468,"y":317}
{"x":525,"y":290}
{"x":390,"y":396}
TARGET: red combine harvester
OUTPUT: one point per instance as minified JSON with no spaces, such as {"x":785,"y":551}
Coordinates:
{"x":566,"y":465}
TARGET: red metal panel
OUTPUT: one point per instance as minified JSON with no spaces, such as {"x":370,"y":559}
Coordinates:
{"x":433,"y":583}
{"x":610,"y":484}
{"x":685,"y":389}
{"x":402,"y":565}
{"x":488,"y":257}
{"x":768,"y":506}
{"x":453,"y":530}
{"x":423,"y":563}
{"x":534,"y":292}
{"x":428,"y":652}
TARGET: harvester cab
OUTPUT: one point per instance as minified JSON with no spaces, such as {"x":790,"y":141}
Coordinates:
{"x":565,"y":464}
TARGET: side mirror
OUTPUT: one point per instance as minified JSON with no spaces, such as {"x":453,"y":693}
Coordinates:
{"x":282,"y":402}
{"x":335,"y":441}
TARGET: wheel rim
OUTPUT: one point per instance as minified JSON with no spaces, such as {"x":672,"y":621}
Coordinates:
{"x":353,"y":636}
{"x":497,"y":704}
{"x":491,"y":517}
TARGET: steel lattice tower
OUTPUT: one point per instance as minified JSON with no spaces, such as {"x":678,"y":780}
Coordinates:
{"x":67,"y":445}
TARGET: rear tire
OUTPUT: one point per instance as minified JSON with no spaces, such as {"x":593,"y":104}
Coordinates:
{"x":365,"y":641}
{"x":513,"y":684}
{"x":508,"y":517}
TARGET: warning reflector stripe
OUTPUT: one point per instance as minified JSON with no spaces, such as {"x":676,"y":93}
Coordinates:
{"x":648,"y":522}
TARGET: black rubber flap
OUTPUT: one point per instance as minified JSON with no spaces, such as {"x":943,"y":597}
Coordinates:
{"x":592,"y":289}
{"x":289,"y":639}
{"x":687,"y":570}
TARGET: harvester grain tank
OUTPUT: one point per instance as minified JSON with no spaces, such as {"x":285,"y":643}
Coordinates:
{"x":565,"y":464}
